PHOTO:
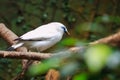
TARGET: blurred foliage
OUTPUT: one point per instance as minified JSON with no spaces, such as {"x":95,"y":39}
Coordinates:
{"x":97,"y":62}
{"x":86,"y":20}
{"x":96,"y":57}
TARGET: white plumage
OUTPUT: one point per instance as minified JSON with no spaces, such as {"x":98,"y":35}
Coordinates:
{"x":42,"y":37}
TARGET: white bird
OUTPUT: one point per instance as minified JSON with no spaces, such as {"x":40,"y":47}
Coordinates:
{"x":42,"y":37}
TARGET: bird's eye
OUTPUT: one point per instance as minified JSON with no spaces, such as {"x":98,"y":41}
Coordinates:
{"x":63,"y":29}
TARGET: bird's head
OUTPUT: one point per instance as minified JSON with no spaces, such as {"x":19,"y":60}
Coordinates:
{"x":60,"y":27}
{"x":65,"y":30}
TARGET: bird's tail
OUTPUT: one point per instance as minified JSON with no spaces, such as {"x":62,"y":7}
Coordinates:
{"x":13,"y":47}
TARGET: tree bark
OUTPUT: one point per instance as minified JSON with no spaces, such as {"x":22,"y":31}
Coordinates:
{"x":24,"y":55}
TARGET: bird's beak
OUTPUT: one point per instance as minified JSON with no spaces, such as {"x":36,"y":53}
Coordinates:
{"x":67,"y":33}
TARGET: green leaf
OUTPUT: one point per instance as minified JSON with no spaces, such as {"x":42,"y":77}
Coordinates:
{"x":81,"y":76}
{"x":69,"y":41}
{"x":96,"y":57}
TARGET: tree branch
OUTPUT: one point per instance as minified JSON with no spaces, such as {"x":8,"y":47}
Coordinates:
{"x":35,"y":55}
{"x":113,"y":40}
{"x":7,"y":34}
{"x":24,"y":55}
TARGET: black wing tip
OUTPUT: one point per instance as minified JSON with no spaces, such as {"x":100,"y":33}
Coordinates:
{"x":10,"y":49}
{"x":17,"y":39}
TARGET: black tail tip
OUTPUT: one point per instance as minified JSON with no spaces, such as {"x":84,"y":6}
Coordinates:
{"x":10,"y":49}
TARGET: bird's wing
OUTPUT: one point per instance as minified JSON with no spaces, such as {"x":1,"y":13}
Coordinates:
{"x":37,"y":35}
